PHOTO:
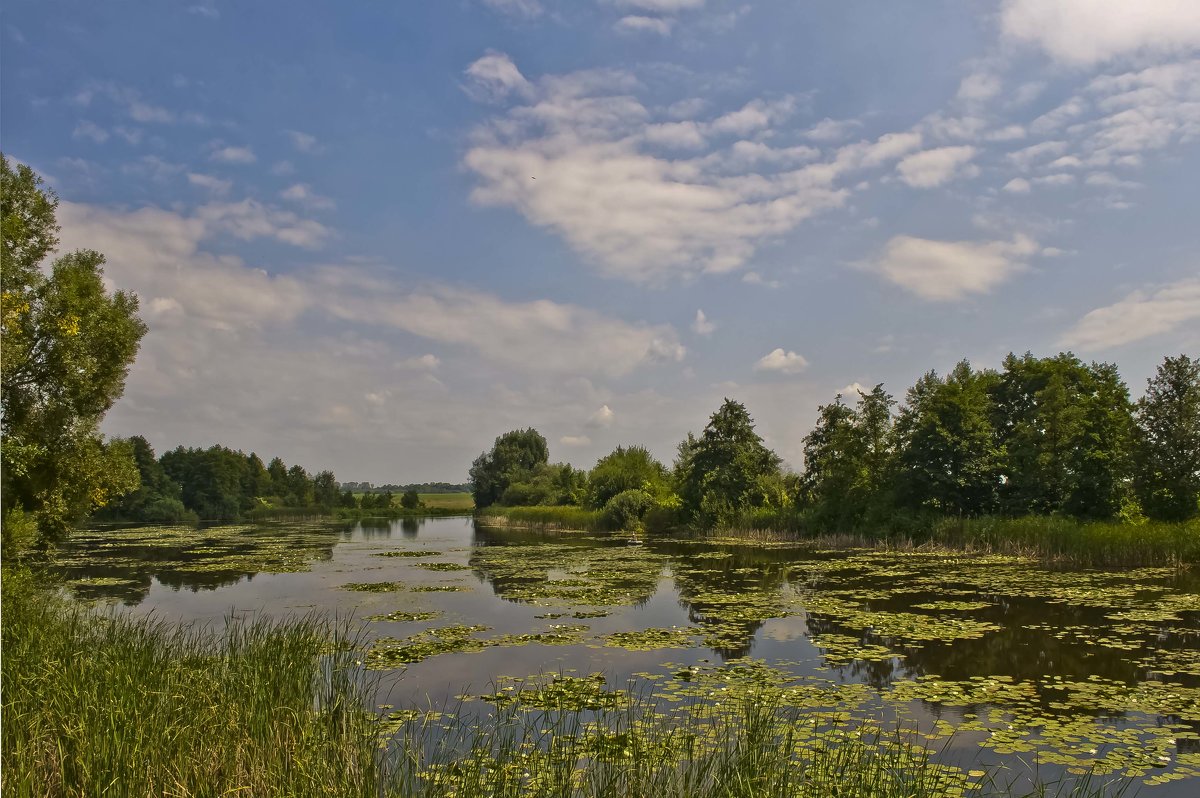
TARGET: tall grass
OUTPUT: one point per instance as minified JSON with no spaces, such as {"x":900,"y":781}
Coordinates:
{"x":98,"y":705}
{"x":1053,"y":539}
{"x":566,"y":517}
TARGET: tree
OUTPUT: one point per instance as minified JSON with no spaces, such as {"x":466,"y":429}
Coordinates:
{"x":410,"y":500}
{"x":1167,"y":476}
{"x":847,"y":459}
{"x":632,"y":468}
{"x":513,"y":458}
{"x":325,"y":490}
{"x":947,"y":457}
{"x":724,"y":471}
{"x":68,"y":344}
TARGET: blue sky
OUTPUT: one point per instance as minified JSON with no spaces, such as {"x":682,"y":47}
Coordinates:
{"x":373,"y":236}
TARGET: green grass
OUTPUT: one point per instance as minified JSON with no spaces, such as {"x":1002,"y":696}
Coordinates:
{"x":562,"y":518}
{"x":99,"y":705}
{"x":448,"y":501}
{"x":1065,"y":541}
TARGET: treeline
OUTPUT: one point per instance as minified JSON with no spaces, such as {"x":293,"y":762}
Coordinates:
{"x":416,"y":487}
{"x":1040,"y":436}
{"x":217,"y":483}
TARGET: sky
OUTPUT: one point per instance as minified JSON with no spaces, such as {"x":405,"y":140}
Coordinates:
{"x":372,"y":237}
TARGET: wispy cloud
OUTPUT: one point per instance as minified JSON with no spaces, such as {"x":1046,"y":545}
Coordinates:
{"x":1141,"y":314}
{"x":949,"y":270}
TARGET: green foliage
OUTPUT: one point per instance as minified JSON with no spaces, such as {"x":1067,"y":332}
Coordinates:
{"x":68,"y":344}
{"x":721,"y":473}
{"x":513,"y":458}
{"x":947,"y":457}
{"x":411,"y":500}
{"x":1168,"y":441}
{"x":848,"y":458}
{"x":548,"y":483}
{"x":632,"y":468}
{"x":113,"y":705}
{"x":627,"y":508}
{"x":1065,"y":430}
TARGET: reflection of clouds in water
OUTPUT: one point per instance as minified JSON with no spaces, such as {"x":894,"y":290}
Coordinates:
{"x":784,"y":629}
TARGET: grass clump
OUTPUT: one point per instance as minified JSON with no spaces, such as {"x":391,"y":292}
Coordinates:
{"x":110,"y":705}
{"x":546,"y":517}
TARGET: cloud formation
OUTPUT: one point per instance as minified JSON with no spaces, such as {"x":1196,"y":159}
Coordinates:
{"x":648,"y":198}
{"x":1139,"y":315}
{"x":1089,"y":32}
{"x":781,"y":362}
{"x":947,"y":270}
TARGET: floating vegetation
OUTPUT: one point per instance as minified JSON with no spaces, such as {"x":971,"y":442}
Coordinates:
{"x":439,"y":588}
{"x":843,"y":649}
{"x":953,"y":605}
{"x":441,"y":566}
{"x":557,"y":635}
{"x":389,"y":652}
{"x":405,"y":616}
{"x":562,"y":692}
{"x":408,"y":553}
{"x":374,"y":587}
{"x":650,"y":639}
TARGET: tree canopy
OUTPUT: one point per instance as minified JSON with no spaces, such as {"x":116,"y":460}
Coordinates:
{"x":68,"y":344}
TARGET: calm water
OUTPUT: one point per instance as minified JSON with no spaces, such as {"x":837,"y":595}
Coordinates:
{"x":1084,"y":670}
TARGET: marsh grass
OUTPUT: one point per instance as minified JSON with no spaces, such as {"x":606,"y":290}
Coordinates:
{"x":562,"y":518}
{"x":753,"y":748}
{"x":1057,"y":540}
{"x":99,"y":704}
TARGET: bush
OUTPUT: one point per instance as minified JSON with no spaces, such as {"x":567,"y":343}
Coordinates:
{"x":168,"y":511}
{"x":626,"y":509}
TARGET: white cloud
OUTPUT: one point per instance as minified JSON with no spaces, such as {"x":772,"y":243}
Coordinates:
{"x":160,"y":254}
{"x":249,"y":219}
{"x":579,"y":154}
{"x":1024,"y":159}
{"x":782,"y":362}
{"x":422,"y":363}
{"x":851,"y":391}
{"x":210,"y":183}
{"x":833,"y":129}
{"x":934,"y":167}
{"x":303,"y":194}
{"x":979,"y":86}
{"x":516,"y":8}
{"x":701,"y":325}
{"x":239,"y":155}
{"x":601,"y":418}
{"x":575,"y":440}
{"x":90,"y":130}
{"x":661,"y":6}
{"x":1088,"y":32}
{"x":948,"y":270}
{"x":638,"y":24}
{"x":1055,"y":180}
{"x":303,"y":142}
{"x":1018,"y":185}
{"x":1139,"y":315}
{"x":494,"y":77}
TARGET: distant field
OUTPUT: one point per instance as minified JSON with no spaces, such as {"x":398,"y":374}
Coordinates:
{"x":449,"y":501}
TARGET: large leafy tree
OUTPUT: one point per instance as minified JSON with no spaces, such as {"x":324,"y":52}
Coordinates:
{"x":728,"y":469}
{"x":625,"y":468}
{"x":847,"y":459}
{"x":67,"y":346}
{"x":1168,"y":441}
{"x":947,"y":457}
{"x":514,"y":457}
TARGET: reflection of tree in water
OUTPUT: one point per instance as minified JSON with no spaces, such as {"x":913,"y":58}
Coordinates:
{"x":530,"y":567}
{"x":121,"y":564}
{"x":730,"y":597}
{"x":384,"y":528}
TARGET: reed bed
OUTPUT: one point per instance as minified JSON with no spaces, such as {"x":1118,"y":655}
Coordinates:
{"x":563,"y":517}
{"x":105,"y":705}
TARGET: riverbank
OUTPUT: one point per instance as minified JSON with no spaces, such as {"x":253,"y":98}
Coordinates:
{"x":1050,"y":539}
